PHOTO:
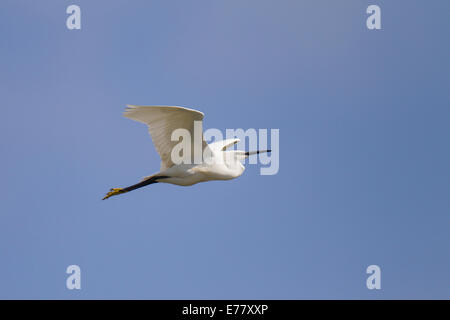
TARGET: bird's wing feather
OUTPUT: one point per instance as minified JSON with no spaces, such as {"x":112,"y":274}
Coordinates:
{"x":162,"y":121}
{"x":222,"y":145}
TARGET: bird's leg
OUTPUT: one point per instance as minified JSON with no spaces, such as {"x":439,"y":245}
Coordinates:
{"x":150,"y":180}
{"x":114,"y":192}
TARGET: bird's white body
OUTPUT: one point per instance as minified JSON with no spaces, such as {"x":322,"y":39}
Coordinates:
{"x":218,"y":163}
{"x":189,"y":174}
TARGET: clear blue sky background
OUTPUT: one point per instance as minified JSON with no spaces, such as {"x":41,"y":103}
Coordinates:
{"x":364,"y":149}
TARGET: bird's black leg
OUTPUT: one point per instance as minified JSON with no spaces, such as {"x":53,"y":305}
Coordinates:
{"x":146,"y":182}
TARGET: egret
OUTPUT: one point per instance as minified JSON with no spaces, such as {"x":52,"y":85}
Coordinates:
{"x":162,"y":121}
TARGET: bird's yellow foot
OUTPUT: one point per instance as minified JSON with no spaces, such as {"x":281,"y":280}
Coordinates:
{"x":114,"y":192}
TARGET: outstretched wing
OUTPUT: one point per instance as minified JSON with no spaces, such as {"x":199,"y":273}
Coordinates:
{"x":222,"y":145}
{"x":162,"y":121}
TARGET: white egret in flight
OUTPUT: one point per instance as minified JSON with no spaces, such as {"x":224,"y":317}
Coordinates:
{"x":162,"y":121}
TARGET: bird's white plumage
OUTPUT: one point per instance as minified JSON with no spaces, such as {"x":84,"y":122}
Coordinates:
{"x":162,"y":121}
{"x":222,"y":145}
{"x":218,"y":163}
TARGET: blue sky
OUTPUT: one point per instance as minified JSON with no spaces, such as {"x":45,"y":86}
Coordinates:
{"x":364,"y":155}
